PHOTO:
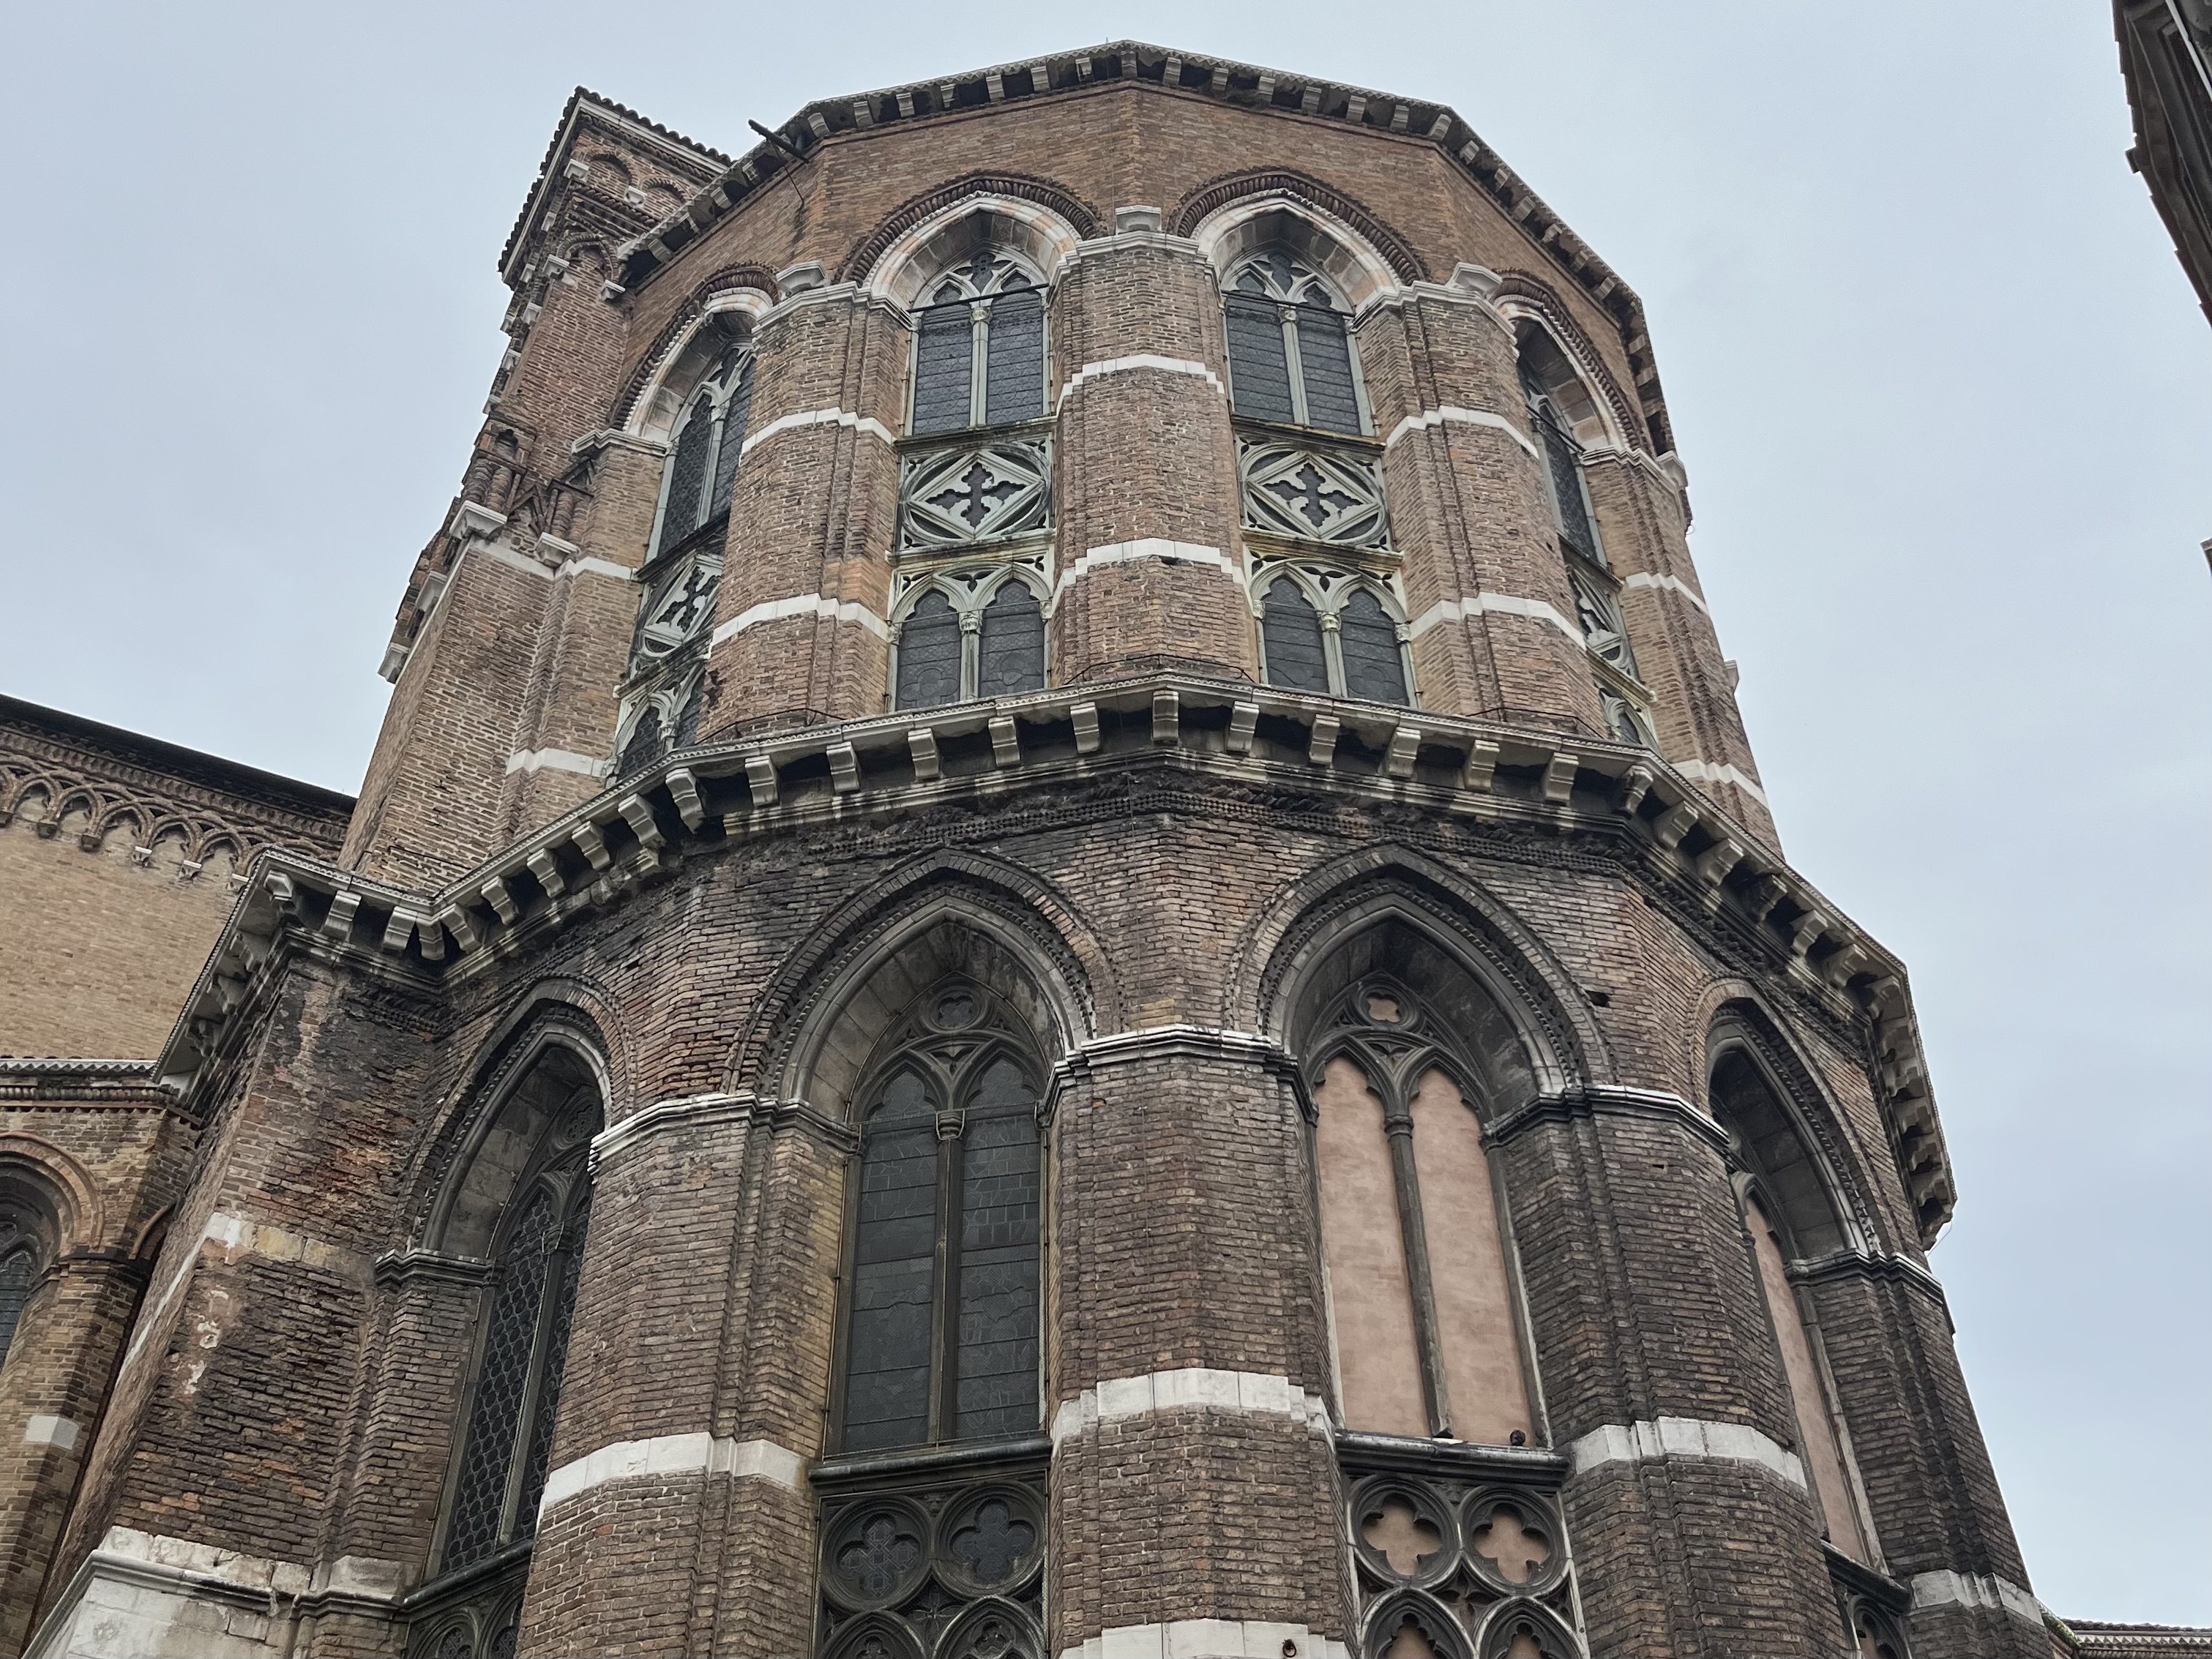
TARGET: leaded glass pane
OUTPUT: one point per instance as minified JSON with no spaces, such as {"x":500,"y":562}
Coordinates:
{"x":1374,"y":667}
{"x":480,"y":1502}
{"x":555,"y":1362}
{"x":1014,"y":388}
{"x":1259,"y":367}
{"x":646,"y":744}
{"x":929,"y":654}
{"x":1290,"y":628}
{"x":943,"y":366}
{"x":687,"y":723}
{"x":735,"y":412}
{"x":1012,"y":656}
{"x":19,"y":1273}
{"x":687,"y":471}
{"x":894,"y":1273}
{"x":999,"y":1209}
{"x":1325,"y":356}
{"x":1564,"y":460}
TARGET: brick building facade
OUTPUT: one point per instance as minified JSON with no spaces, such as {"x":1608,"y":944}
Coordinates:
{"x":1062,"y":942}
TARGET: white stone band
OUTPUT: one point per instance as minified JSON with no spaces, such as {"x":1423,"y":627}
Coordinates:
{"x":1142,"y":360}
{"x":1452,"y":412}
{"x":554,"y":760}
{"x":803,"y":605}
{"x":674,"y":1453}
{"x":1705,"y":771}
{"x":1961,"y":1589}
{"x":1208,"y":1638}
{"x":1146,"y":547}
{"x":1255,"y":1393}
{"x":1684,"y":1437}
{"x":60,"y":1432}
{"x":1509,"y":605}
{"x":867,"y":423}
{"x":1645,"y":579}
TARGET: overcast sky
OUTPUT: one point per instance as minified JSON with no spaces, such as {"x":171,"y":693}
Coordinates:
{"x":1944,"y":396}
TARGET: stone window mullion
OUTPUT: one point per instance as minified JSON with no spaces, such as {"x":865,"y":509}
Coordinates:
{"x":944,"y":1314}
{"x":1398,"y":1129}
{"x":1332,"y":651}
{"x":1295,"y":364}
{"x":533,"y":1391}
{"x":979,"y":371}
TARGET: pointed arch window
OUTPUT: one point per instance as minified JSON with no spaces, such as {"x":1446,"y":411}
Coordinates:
{"x":979,"y":351}
{"x":19,"y":1277}
{"x":1351,"y":645}
{"x":705,"y":449}
{"x":1562,"y":468}
{"x":1428,"y":1340}
{"x":941,"y":1315}
{"x":964,"y":638}
{"x":1291,"y":354}
{"x":506,"y":1448}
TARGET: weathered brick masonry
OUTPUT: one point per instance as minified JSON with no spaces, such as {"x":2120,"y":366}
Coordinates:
{"x":987,"y":649}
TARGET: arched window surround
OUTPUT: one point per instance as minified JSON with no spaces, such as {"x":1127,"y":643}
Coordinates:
{"x":976,"y":293}
{"x":969,"y":593}
{"x":1803,"y":1206}
{"x":720,"y":356}
{"x":511,"y":1211}
{"x":1330,"y":590}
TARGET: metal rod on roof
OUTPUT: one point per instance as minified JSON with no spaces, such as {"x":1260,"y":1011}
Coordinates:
{"x":779,"y":141}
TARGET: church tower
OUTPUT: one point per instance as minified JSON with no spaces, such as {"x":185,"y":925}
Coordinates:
{"x":1062,"y":943}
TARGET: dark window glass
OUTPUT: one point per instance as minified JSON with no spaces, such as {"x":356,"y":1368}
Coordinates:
{"x":19,"y":1274}
{"x":1259,"y":368}
{"x":1014,"y":388}
{"x":944,"y":365}
{"x":894,"y":1273}
{"x":1292,"y":630}
{"x":687,"y":724}
{"x":998,"y":1210}
{"x":570,"y":1267}
{"x":1013,"y":658}
{"x":929,"y":654}
{"x":687,"y":472}
{"x":1325,"y":358}
{"x":735,"y":413}
{"x":646,"y":744}
{"x":1565,"y":459}
{"x":1368,"y":639}
{"x":503,"y":1383}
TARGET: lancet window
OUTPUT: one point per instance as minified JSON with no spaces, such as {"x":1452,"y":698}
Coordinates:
{"x":704,"y":450}
{"x":1324,"y":630}
{"x":521,"y":1207}
{"x":962,"y":635}
{"x":1427,"y":1338}
{"x":979,"y":351}
{"x":19,"y":1277}
{"x":1789,"y":1215}
{"x":1621,"y":692}
{"x":941,"y":1316}
{"x":1291,"y":355}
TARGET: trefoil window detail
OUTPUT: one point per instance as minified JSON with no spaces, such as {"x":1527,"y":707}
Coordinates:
{"x":979,"y":350}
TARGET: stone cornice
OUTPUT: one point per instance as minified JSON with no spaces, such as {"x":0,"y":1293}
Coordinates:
{"x":1131,"y":63}
{"x":1578,"y":794}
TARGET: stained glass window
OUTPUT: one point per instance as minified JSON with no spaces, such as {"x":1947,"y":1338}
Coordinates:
{"x":19,"y":1276}
{"x":708,"y":443}
{"x":1374,"y":667}
{"x":942,"y":1315}
{"x":929,"y":654}
{"x":1289,"y":349}
{"x":505,"y":1451}
{"x":979,"y":343}
{"x":1013,"y":650}
{"x":1291,"y":628}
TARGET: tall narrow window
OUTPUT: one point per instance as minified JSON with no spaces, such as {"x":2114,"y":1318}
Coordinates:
{"x":979,"y":355}
{"x":1374,"y":662}
{"x":705,"y":449}
{"x":942,"y":1311}
{"x":1788,"y":1212}
{"x":1291,"y":357}
{"x":1427,"y":1340}
{"x":963,"y":640}
{"x":19,"y":1277}
{"x":505,"y":1451}
{"x":1563,"y":470}
{"x":1291,"y":630}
